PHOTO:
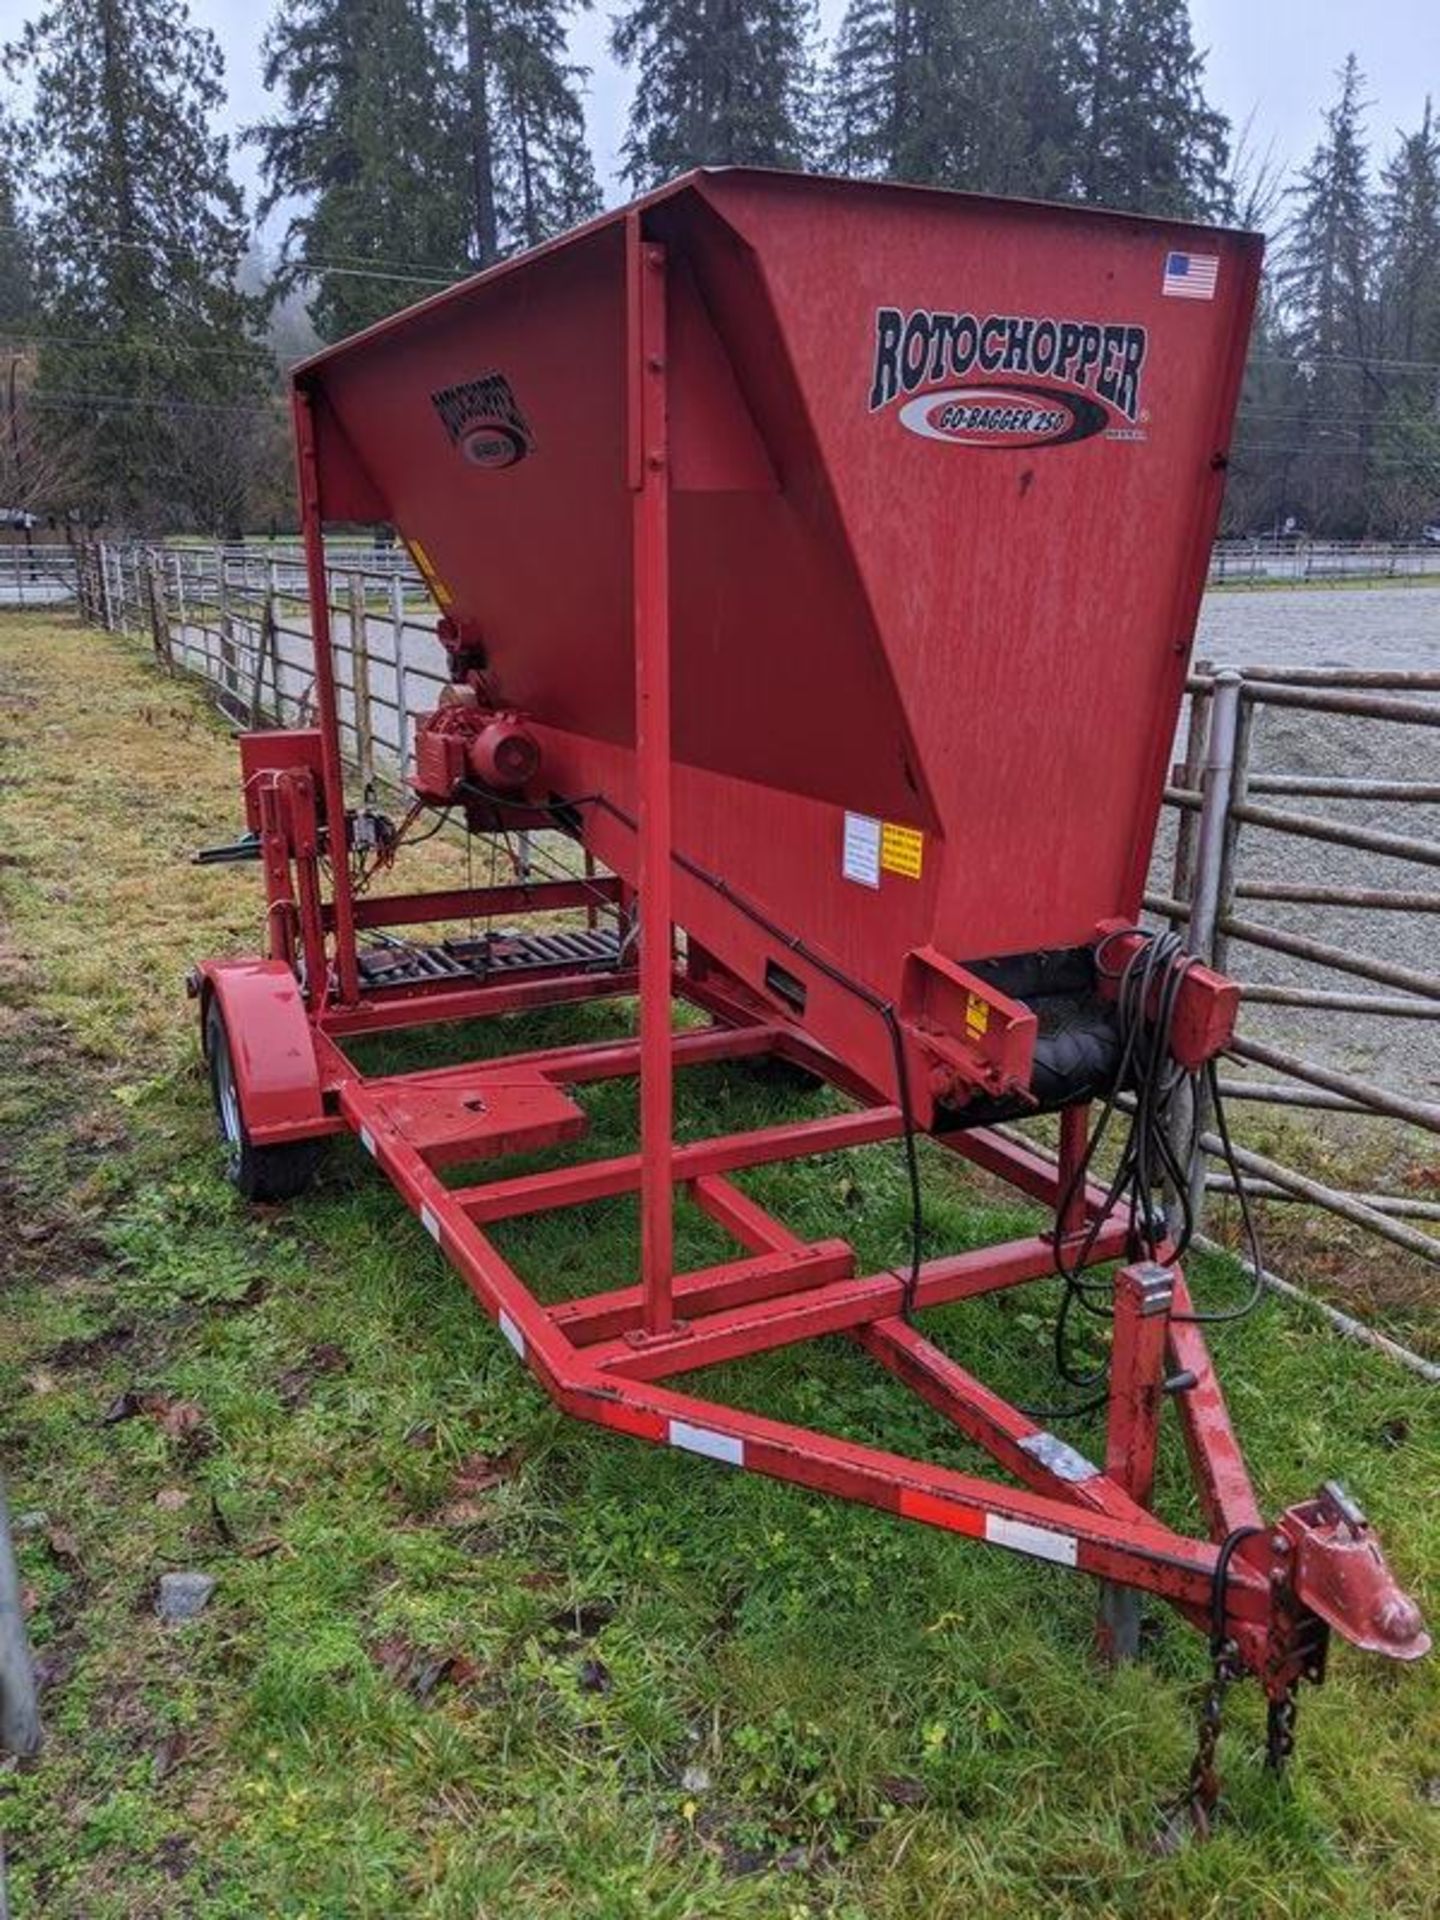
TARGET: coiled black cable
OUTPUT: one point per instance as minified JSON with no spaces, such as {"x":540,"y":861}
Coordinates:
{"x":1147,"y":997}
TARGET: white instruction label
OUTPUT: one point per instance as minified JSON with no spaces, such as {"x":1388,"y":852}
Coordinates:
{"x":860,"y":860}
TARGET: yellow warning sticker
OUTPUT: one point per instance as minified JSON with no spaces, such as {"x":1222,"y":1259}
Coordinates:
{"x":977,"y":1014}
{"x":440,"y":593}
{"x":901,"y":849}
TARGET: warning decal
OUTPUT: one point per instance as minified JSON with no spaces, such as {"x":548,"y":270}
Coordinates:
{"x":875,"y":846}
{"x":860,"y":859}
{"x":901,"y":849}
{"x":439,"y":592}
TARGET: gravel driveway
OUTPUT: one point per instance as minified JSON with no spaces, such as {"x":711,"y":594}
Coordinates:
{"x":1396,"y":628}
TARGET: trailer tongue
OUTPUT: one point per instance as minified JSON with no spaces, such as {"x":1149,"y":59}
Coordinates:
{"x":823,"y":560}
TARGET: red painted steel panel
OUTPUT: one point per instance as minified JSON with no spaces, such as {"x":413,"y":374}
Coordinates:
{"x":497,"y":1111}
{"x":1032,"y":600}
{"x":982,"y":636}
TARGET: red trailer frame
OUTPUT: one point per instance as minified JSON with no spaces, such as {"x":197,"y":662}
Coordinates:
{"x":1266,"y":1594}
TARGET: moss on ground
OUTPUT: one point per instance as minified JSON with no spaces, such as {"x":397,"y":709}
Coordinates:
{"x":466,"y":1658}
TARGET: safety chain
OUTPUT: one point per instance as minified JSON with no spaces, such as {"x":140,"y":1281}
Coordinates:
{"x":1204,"y":1794}
{"x":1280,"y":1728}
{"x":1226,"y":1667}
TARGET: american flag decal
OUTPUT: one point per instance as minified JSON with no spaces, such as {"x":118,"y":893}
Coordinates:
{"x":1190,"y":276}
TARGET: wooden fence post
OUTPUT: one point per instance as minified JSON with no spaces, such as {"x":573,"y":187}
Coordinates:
{"x":159,"y":613}
{"x":107,"y":600}
{"x":360,"y":676}
{"x":402,"y":690}
{"x":229,"y":680}
{"x":265,"y":650}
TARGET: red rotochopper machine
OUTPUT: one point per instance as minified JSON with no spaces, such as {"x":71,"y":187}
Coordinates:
{"x":823,"y":559}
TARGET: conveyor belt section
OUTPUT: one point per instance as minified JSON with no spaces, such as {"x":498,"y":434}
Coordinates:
{"x":401,"y":963}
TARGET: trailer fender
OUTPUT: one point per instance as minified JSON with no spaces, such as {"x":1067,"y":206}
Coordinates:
{"x":270,"y":1045}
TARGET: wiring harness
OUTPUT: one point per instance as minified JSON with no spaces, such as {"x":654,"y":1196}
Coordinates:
{"x":1163,"y":1103}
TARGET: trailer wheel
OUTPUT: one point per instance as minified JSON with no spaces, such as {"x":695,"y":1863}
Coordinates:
{"x":261,"y":1173}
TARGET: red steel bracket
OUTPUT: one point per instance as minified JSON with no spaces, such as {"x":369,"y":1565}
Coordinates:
{"x":1143,"y":1298}
{"x":968,"y":1036}
{"x":280,"y":750}
{"x":1206,"y":1007}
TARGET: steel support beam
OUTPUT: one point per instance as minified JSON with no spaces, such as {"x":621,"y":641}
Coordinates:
{"x":650,"y":489}
{"x":598,"y":1179}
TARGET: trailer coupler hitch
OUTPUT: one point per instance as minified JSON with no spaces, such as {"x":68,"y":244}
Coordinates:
{"x":1327,"y":1572}
{"x":1341,"y":1575}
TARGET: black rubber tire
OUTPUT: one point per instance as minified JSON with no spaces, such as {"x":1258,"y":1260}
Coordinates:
{"x":261,"y":1173}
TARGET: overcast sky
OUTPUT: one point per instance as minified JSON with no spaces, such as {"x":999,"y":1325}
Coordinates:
{"x":1273,"y":59}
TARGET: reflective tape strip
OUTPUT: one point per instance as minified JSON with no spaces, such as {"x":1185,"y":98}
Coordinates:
{"x":367,"y":1140}
{"x":430,"y":1224}
{"x":638,"y":1420}
{"x":512,"y":1333}
{"x":917,"y":1505}
{"x":1039,"y":1542}
{"x":714,"y":1446}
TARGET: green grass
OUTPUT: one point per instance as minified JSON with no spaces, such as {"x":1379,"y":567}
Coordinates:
{"x":467,"y":1658}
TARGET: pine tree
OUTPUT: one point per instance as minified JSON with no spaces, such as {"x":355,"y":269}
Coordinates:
{"x":951,"y":95}
{"x":366,"y":143}
{"x":893,"y":110}
{"x":1272,"y":397}
{"x":1091,"y":99}
{"x":1409,"y":244}
{"x":719,"y":83}
{"x":1148,"y":141}
{"x":1325,"y":283}
{"x":1406,"y":484}
{"x":531,"y":172}
{"x":1026,"y":102}
{"x":1259,"y":489}
{"x":140,"y":231}
{"x":421,"y":138}
{"x":17,"y":270}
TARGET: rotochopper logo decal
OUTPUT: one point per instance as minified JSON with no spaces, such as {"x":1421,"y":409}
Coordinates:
{"x":484,"y":422}
{"x":1041,"y":382}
